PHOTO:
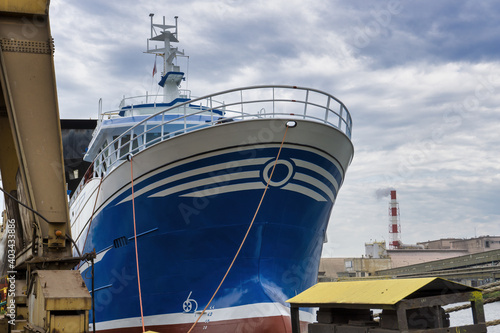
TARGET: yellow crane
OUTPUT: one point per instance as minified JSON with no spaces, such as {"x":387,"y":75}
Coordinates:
{"x":45,"y":295}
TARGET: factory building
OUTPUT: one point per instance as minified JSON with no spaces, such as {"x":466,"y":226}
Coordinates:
{"x":379,"y":257}
{"x":473,"y":245}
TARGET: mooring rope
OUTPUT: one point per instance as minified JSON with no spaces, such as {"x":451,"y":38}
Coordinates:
{"x":490,"y":285}
{"x":490,"y":290}
{"x":135,"y":241}
{"x":468,"y":305}
{"x":493,"y":322}
{"x":244,"y":238}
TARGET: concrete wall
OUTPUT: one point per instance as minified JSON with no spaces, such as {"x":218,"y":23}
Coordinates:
{"x":328,"y":267}
{"x":333,"y":268}
{"x":480,"y":244}
{"x":440,"y":244}
{"x":472,"y":245}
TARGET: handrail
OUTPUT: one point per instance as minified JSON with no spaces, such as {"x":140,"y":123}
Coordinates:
{"x":183,"y":93}
{"x":238,"y":104}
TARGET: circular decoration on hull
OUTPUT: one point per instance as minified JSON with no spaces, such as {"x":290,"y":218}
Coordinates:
{"x":282,"y":173}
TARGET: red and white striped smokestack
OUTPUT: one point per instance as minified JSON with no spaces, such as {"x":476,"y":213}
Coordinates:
{"x":394,"y":224}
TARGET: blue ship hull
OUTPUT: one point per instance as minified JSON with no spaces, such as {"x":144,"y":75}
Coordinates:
{"x":191,"y":218}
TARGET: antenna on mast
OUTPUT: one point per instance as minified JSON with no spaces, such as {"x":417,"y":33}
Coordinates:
{"x":171,"y":75}
{"x":176,"y":29}
{"x":151,"y":15}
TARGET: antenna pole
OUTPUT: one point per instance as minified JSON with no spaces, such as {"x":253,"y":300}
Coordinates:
{"x":176,"y":31}
{"x":151,"y":15}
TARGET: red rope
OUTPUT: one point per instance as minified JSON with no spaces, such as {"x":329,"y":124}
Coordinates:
{"x":135,"y":240}
{"x":244,"y":238}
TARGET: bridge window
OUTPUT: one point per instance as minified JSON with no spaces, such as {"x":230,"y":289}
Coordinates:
{"x":125,"y":145}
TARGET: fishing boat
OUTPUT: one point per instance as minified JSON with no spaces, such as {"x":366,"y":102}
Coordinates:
{"x":208,"y":213}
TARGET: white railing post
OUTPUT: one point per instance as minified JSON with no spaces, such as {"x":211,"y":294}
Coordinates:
{"x":241,"y":103}
{"x":211,"y":111}
{"x":162,"y":131}
{"x":340,"y":117}
{"x":306,"y":102}
{"x":327,"y":109}
{"x":349,"y":125}
{"x":130,"y":145}
{"x":100,"y":109}
{"x":273,"y":102}
{"x":108,"y":158}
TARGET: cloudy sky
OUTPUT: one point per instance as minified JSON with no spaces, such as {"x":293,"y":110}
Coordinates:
{"x":420,"y":78}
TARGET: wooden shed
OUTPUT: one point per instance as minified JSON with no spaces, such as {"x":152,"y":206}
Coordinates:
{"x":407,"y":305}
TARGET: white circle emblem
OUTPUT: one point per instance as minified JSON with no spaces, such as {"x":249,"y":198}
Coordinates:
{"x":284,"y":180}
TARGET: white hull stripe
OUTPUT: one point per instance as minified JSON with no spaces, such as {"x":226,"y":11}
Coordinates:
{"x":247,"y":175}
{"x":225,"y":189}
{"x":252,"y":185}
{"x":305,"y":191}
{"x":259,"y":310}
{"x":207,"y":182}
{"x":199,"y":171}
{"x":232,"y":164}
{"x":313,"y":181}
{"x":318,"y":169}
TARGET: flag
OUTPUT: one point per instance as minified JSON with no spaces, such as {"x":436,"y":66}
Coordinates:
{"x":154,"y":68}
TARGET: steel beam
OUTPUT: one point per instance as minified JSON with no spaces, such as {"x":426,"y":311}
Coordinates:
{"x":27,"y":80}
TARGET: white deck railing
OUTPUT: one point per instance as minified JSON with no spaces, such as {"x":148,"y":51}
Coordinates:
{"x":247,"y":103}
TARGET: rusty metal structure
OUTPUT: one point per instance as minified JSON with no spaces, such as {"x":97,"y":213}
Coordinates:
{"x":49,"y":297}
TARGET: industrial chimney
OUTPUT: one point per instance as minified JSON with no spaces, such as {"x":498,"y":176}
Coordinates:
{"x":394,"y":223}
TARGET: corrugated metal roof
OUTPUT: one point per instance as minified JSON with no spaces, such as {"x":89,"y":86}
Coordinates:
{"x":382,"y":292}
